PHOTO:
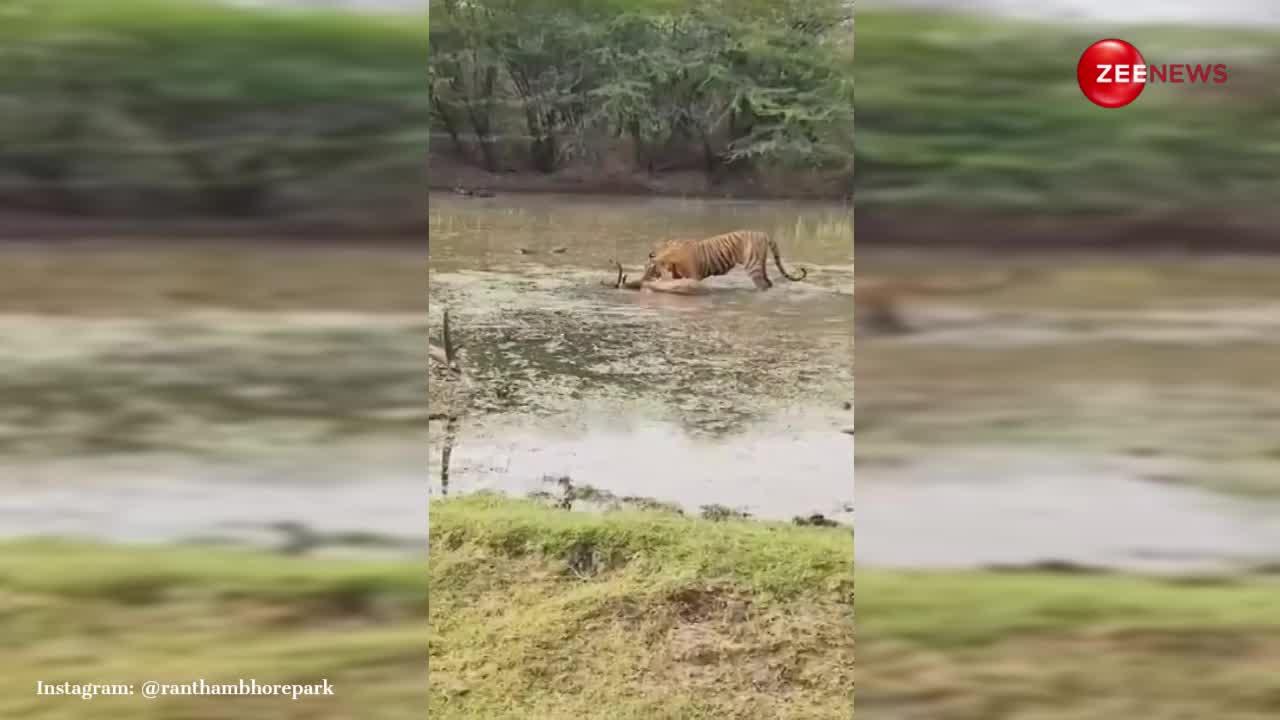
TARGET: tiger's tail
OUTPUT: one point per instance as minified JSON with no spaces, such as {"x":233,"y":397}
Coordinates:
{"x":777,"y":260}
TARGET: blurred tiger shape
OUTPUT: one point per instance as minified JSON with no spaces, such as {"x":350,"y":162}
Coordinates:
{"x":877,"y":302}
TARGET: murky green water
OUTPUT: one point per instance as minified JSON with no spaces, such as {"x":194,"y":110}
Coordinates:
{"x":1113,"y":410}
{"x":224,"y":388}
{"x":166,"y":391}
{"x":617,"y":388}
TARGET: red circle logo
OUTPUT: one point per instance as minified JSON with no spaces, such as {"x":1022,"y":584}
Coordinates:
{"x":1111,"y":73}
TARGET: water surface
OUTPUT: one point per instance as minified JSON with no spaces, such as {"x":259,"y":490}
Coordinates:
{"x":1113,"y":411}
{"x":714,"y":399}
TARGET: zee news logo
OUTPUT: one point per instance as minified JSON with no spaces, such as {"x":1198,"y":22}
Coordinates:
{"x":1112,"y":73}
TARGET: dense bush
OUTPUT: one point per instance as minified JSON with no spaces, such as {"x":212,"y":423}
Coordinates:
{"x":734,"y":85}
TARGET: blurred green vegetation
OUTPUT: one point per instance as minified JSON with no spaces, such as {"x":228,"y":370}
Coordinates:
{"x":727,"y":88}
{"x":187,"y":107}
{"x":1040,"y":644}
{"x":84,"y":613}
{"x":972,"y":112}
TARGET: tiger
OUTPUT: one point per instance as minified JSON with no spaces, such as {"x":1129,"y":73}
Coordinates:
{"x":876,"y":303}
{"x":700,"y":259}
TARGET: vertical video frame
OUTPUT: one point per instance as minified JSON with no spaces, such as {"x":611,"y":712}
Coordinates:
{"x":641,"y":375}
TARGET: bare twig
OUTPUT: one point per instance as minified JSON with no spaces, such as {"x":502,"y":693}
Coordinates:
{"x":447,"y":355}
{"x":621,"y":278}
{"x":450,"y":434}
{"x":437,"y":353}
{"x":450,"y":354}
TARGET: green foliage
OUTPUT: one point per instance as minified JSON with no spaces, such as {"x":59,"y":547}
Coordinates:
{"x":736,"y":83}
{"x":200,"y":106}
{"x":973,"y":112}
{"x":178,"y":614}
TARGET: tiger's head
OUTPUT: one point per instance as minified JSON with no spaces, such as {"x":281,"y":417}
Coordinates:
{"x":661,"y":262}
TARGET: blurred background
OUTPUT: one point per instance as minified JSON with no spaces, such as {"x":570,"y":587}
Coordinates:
{"x":1068,"y":489}
{"x":212,"y":315}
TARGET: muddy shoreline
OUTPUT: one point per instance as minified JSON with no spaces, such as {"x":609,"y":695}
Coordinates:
{"x":1190,"y":232}
{"x":679,"y":185}
{"x":410,"y":229}
{"x":1199,"y":233}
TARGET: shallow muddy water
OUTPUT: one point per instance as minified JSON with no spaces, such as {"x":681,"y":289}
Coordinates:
{"x":1117,"y":411}
{"x":713,"y":399}
{"x":993,"y":507}
{"x":1114,"y":412}
{"x":163,"y":392}
{"x":366,"y":494}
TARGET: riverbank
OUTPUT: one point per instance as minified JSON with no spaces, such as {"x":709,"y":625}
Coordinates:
{"x":1198,"y":232}
{"x":655,"y":615}
{"x":407,"y":226}
{"x":646,"y":613}
{"x":449,"y":173}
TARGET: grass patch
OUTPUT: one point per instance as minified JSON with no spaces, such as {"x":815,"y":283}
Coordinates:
{"x":774,"y":559}
{"x":543,"y":613}
{"x":687,"y":618}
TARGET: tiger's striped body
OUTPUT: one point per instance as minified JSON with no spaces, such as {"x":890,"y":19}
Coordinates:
{"x":708,"y":257}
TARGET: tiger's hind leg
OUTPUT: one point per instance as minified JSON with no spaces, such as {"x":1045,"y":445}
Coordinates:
{"x":760,"y":277}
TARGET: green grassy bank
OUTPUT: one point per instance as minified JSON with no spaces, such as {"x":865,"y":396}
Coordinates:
{"x":983,"y":117}
{"x":542,"y":613}
{"x":978,"y":646}
{"x":83,"y":613}
{"x":550,"y":614}
{"x":195,"y":108}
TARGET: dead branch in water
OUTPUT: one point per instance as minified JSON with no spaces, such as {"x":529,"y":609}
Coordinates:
{"x":621,"y":278}
{"x":622,"y":281}
{"x":450,"y":434}
{"x":446,"y":355}
{"x":449,"y":352}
